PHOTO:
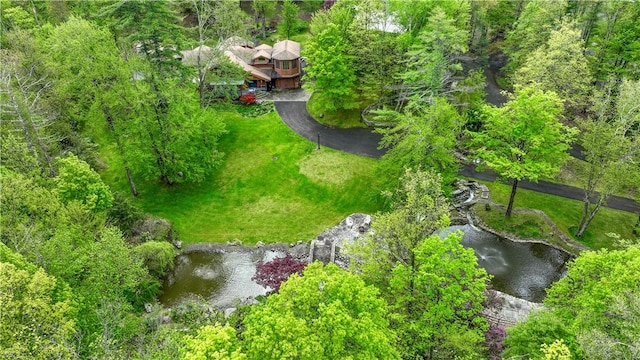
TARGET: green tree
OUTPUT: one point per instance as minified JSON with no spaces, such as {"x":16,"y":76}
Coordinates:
{"x":93,"y":84}
{"x":594,"y":309}
{"x":612,"y":144}
{"x":330,"y":71}
{"x":77,"y":181}
{"x":289,"y":22}
{"x":36,"y":311}
{"x":107,"y":279}
{"x":559,"y":66}
{"x":30,"y":213}
{"x":334,"y":314}
{"x":532,"y":30}
{"x":217,"y":21}
{"x":213,"y":342}
{"x":23,"y":109}
{"x":524,"y":139}
{"x":157,"y":256}
{"x":431,"y":61}
{"x":418,"y":209}
{"x":153,"y":27}
{"x":174,"y":140}
{"x":424,"y":137}
{"x":263,"y":10}
{"x":437,"y":302}
{"x":615,"y":40}
{"x":542,"y":327}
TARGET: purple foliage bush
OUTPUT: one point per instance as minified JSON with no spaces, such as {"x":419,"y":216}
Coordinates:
{"x":273,"y":273}
{"x":495,"y":341}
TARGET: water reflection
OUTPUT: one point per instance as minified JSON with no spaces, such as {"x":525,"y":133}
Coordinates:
{"x":523,"y":270}
{"x":221,"y":278}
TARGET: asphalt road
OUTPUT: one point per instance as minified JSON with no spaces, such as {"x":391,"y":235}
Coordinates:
{"x":355,"y":141}
{"x":365,"y":142}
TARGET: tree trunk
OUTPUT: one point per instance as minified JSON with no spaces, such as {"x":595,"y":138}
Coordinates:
{"x":132,"y":184}
{"x":514,"y":187}
{"x":584,"y":222}
{"x":264,"y":26}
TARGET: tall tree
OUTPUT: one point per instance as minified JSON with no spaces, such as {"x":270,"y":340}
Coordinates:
{"x":560,"y":66}
{"x":25,"y":111}
{"x":524,"y":139}
{"x":612,"y":146}
{"x":616,"y":41}
{"x":216,"y":22}
{"x":263,"y":10}
{"x":152,"y":27}
{"x":424,"y":137}
{"x":290,"y":20}
{"x":533,"y":28}
{"x":418,"y":209}
{"x":431,"y":63}
{"x":336,"y":316}
{"x":36,"y":311}
{"x":437,"y":302}
{"x":330,"y":71}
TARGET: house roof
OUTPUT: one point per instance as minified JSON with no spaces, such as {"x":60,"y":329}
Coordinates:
{"x":255,"y":72}
{"x":266,"y":47}
{"x":262,"y":53}
{"x":286,"y":50}
{"x":190,"y":57}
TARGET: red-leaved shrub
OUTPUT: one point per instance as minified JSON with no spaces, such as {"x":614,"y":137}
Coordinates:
{"x":273,"y":273}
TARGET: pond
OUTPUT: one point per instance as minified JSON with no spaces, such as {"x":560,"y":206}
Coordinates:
{"x":219,"y":277}
{"x":524,"y":270}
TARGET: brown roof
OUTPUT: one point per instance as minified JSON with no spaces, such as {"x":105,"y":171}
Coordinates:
{"x":255,"y":72}
{"x":286,"y":50}
{"x":190,"y":57}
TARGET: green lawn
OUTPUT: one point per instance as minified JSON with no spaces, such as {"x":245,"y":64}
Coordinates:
{"x":342,"y":118}
{"x":274,"y":186}
{"x":565,"y":213}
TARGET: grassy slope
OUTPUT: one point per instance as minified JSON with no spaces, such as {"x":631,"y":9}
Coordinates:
{"x":565,"y":213}
{"x":274,"y":187}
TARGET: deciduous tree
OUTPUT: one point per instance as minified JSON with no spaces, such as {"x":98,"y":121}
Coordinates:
{"x":330,"y":71}
{"x":290,"y":20}
{"x":36,"y":311}
{"x":560,"y":66}
{"x":524,"y":139}
{"x":213,"y":342}
{"x":437,"y":302}
{"x":612,"y":146}
{"x":334,"y":314}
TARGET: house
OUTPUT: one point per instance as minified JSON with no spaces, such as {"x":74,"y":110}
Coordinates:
{"x":267,"y":67}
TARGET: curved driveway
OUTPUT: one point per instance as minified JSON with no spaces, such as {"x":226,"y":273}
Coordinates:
{"x":355,"y":141}
{"x":365,"y":142}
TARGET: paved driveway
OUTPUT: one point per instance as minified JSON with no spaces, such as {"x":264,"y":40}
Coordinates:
{"x":365,"y":142}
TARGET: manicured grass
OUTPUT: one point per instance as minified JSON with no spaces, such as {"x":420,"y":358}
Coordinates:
{"x":565,"y":213}
{"x":349,"y":118}
{"x":274,"y":186}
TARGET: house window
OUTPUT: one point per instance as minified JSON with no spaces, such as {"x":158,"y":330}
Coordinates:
{"x":295,"y":64}
{"x":261,"y":58}
{"x":277,"y":64}
{"x":285,"y":64}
